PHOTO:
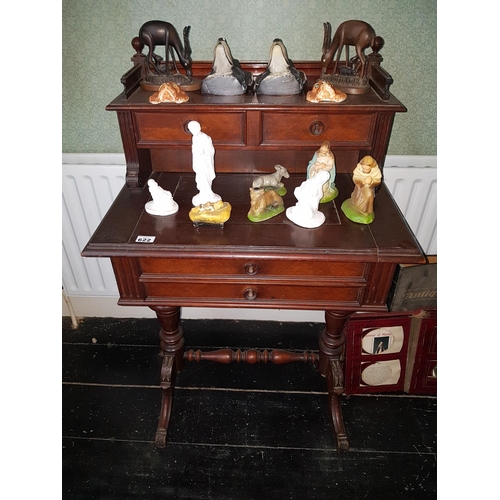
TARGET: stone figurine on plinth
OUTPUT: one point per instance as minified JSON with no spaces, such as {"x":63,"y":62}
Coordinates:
{"x":366,"y":176}
{"x":162,"y":202}
{"x":280,"y":77}
{"x":227,"y":77}
{"x":305,"y":212}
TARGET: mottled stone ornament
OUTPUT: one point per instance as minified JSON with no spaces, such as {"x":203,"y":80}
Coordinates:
{"x":280,"y":77}
{"x":169,"y":92}
{"x":324,"y":91}
{"x":227,"y":77}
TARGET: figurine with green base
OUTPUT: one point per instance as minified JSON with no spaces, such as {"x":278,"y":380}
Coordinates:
{"x":272,"y":181}
{"x":324,"y":159}
{"x":264,"y":204}
{"x":366,"y":176}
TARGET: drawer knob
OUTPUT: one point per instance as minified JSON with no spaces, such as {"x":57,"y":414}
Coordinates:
{"x":251,"y":269}
{"x":250,"y":294}
{"x":317,"y":128}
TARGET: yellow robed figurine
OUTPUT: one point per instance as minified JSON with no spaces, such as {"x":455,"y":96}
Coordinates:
{"x":366,"y":176}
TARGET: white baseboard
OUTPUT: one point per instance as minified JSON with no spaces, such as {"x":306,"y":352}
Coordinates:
{"x":103,"y":307}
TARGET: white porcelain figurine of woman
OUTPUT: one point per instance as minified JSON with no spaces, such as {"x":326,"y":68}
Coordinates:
{"x":203,"y":165}
{"x":305,"y":212}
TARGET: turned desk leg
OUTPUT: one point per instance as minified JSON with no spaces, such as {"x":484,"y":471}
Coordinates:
{"x":172,"y":353}
{"x":331,"y":357}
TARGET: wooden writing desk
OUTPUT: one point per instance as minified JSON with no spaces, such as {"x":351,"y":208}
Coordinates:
{"x":341,"y":267}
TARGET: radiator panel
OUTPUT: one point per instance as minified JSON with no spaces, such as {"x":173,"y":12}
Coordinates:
{"x":87,"y":194}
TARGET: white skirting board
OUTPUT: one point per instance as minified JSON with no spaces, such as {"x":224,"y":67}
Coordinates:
{"x":90,"y":183}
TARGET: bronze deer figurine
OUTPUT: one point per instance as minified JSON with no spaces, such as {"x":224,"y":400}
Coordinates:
{"x":356,"y":33}
{"x":153,"y":33}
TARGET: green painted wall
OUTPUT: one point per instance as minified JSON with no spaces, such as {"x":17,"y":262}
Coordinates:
{"x":96,"y":51}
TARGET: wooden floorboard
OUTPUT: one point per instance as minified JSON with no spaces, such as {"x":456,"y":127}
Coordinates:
{"x":237,"y":431}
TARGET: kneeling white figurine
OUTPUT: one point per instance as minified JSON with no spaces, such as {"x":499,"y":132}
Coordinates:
{"x":305,"y":213}
{"x":162,"y":202}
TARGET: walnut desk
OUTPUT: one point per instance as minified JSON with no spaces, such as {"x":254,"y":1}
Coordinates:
{"x":341,"y":267}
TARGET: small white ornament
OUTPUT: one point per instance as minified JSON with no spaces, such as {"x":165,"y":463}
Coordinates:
{"x":162,"y":202}
{"x":305,"y":213}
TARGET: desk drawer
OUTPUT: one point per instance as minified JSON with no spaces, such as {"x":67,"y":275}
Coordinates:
{"x":170,"y":129}
{"x":259,"y":268}
{"x":245,"y":293}
{"x":299,"y":129}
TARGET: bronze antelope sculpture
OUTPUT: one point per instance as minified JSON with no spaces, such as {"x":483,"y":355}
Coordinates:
{"x":154,"y":33}
{"x":356,"y":33}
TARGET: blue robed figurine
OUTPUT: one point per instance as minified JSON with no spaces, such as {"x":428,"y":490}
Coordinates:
{"x":324,"y":160}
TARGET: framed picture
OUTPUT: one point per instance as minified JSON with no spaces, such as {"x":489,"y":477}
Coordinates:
{"x":376,"y":352}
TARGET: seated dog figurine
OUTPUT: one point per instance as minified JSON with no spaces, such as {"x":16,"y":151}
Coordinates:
{"x":226,"y":77}
{"x":280,"y":77}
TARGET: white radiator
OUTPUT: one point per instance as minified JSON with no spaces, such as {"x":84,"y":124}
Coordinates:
{"x":412,"y":180}
{"x":87,"y":192}
{"x":90,"y":183}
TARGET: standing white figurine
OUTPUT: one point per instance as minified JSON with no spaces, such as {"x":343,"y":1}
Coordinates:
{"x":203,"y":165}
{"x":162,"y":202}
{"x":305,"y":213}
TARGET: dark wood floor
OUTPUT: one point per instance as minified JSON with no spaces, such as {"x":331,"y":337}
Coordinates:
{"x":237,"y":431}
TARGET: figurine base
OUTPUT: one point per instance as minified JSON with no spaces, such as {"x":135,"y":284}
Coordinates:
{"x":348,"y":84}
{"x":330,"y":196}
{"x":223,"y":85}
{"x":151,"y":209}
{"x":154,"y":82}
{"x":208,"y":224}
{"x":354,"y":215}
{"x":266,"y":214}
{"x":282,"y":84}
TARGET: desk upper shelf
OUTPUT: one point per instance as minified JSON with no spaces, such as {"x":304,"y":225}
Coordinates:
{"x":251,"y":133}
